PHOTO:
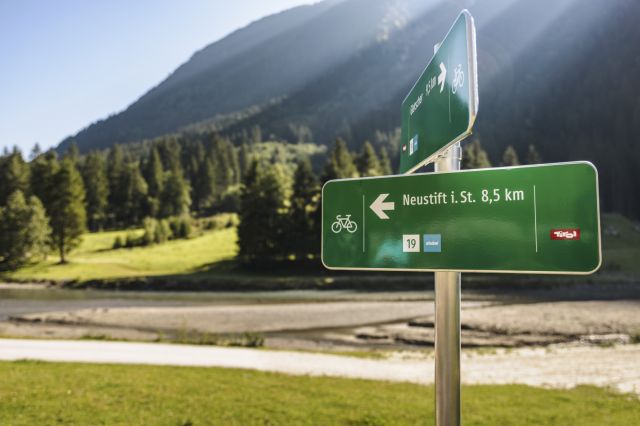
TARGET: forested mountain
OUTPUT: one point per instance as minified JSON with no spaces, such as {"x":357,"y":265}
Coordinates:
{"x":560,"y":74}
{"x":264,"y":61}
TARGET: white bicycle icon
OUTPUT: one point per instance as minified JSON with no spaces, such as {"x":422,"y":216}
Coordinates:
{"x":344,"y":222}
{"x":458,"y":78}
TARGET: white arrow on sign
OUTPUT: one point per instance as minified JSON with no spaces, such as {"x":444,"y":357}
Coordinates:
{"x":442,"y":76}
{"x":379,"y":206}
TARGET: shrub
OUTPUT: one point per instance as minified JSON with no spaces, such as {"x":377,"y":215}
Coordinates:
{"x":149,"y":224}
{"x":180,"y":226}
{"x":162,"y":232}
{"x":220,"y":221}
{"x":117,"y":243}
{"x":131,"y":241}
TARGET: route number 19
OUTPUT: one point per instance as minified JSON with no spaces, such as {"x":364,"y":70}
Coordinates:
{"x":411,"y":243}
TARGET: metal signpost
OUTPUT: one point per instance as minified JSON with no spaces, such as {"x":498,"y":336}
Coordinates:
{"x":511,"y":219}
{"x":446,"y":324}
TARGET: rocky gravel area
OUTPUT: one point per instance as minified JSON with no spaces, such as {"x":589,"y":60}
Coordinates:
{"x":345,"y":324}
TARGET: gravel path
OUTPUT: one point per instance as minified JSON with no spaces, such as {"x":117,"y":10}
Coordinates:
{"x":617,"y":367}
{"x":558,"y":318}
{"x":236,"y":319}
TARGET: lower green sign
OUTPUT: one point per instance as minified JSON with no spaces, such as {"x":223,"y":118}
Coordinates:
{"x":527,"y":219}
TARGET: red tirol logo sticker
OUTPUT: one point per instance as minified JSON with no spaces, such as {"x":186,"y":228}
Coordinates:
{"x":565,"y":234}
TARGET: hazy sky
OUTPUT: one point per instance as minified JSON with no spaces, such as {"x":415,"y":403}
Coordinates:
{"x":68,"y":63}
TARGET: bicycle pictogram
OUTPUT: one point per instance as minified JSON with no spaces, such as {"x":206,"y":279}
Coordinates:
{"x":458,"y":78}
{"x":344,"y":222}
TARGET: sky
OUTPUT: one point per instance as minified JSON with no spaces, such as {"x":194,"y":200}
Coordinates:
{"x":65,"y":64}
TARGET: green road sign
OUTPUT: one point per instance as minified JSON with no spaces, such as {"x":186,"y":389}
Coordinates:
{"x":527,"y":219}
{"x":441,"y":107}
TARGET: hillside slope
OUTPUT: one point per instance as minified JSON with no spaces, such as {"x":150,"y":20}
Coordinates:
{"x":266,"y":60}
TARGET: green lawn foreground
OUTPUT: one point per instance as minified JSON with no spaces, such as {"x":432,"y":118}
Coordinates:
{"x":81,"y":394}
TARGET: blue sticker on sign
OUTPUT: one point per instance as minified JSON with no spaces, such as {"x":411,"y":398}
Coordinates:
{"x":432,"y":243}
{"x":413,"y":145}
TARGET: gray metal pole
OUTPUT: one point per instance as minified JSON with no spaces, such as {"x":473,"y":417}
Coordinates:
{"x":447,"y":321}
{"x":447,"y":325}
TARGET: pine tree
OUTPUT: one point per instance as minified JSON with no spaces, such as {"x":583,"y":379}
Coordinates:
{"x":263,"y":215}
{"x":533,"y":157}
{"x":249,"y":232}
{"x":68,"y":215}
{"x":24,"y":231}
{"x":193,"y":158}
{"x":73,"y":152}
{"x":153,"y":173}
{"x":243,"y":160}
{"x":94,"y":174}
{"x":225,"y":161}
{"x":204,"y":185}
{"x":14,"y":175}
{"x":510,"y":157}
{"x":43,"y":171}
{"x":256,"y":134}
{"x":38,"y":229}
{"x":340,"y":163}
{"x":170,"y":151}
{"x":474,"y":157}
{"x":234,"y":163}
{"x":136,"y":205}
{"x":175,"y":199}
{"x":367,"y":162}
{"x":304,"y":202}
{"x":244,"y":137}
{"x":35,"y":152}
{"x":154,"y":176}
{"x":116,"y":174}
{"x":385,"y":163}
{"x":303,"y":134}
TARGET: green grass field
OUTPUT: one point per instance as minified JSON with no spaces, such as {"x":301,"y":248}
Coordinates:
{"x":94,"y":259}
{"x":79,"y":394}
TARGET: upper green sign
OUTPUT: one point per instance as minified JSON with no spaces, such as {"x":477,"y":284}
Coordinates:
{"x":528,"y":219}
{"x":441,"y":107}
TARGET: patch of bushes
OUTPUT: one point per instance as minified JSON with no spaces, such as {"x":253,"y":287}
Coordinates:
{"x":158,"y":232}
{"x":117,"y":243}
{"x":221,"y":221}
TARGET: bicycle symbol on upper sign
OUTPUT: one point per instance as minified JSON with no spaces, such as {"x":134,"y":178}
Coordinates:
{"x":344,"y":222}
{"x":458,"y":78}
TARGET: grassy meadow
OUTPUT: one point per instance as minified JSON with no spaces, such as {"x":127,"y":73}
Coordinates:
{"x":95,"y":258}
{"x":80,"y":394}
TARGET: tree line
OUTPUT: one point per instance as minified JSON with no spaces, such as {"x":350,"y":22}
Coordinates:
{"x":280,"y":218}
{"x":475,"y":157}
{"x":47,"y":202}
